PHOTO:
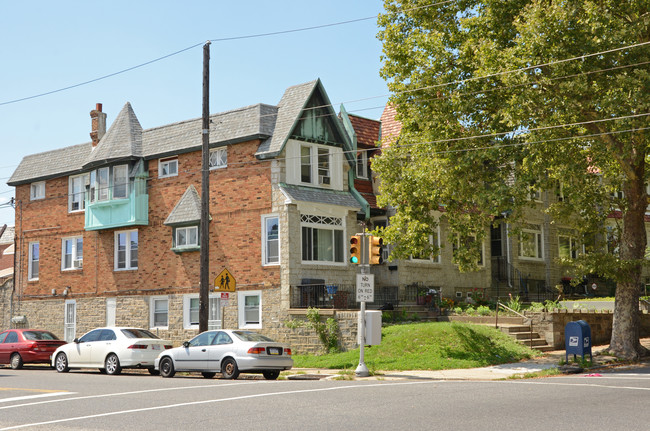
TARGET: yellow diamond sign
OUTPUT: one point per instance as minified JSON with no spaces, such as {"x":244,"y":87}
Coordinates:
{"x":224,"y":282}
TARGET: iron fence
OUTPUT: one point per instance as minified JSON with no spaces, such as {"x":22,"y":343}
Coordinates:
{"x":340,"y":296}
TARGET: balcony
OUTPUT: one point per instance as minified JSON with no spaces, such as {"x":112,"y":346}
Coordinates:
{"x":109,"y":213}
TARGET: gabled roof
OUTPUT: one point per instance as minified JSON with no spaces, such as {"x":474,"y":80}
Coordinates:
{"x":187,"y":210}
{"x":122,"y":141}
{"x":51,"y":164}
{"x":8,"y":233}
{"x":367,"y":130}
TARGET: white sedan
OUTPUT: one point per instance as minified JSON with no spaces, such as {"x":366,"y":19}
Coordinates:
{"x":110,"y":350}
{"x":228,"y":352}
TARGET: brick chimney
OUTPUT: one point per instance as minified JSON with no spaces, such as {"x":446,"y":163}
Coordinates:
{"x":98,"y":125}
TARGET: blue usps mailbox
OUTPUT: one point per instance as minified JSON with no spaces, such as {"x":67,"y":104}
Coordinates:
{"x":577,"y":339}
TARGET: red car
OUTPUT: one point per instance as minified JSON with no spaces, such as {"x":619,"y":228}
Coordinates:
{"x":22,"y":346}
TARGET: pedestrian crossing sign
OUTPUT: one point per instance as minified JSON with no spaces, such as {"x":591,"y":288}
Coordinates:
{"x":225,"y":282}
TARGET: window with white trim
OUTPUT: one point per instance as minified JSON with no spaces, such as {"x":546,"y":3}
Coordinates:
{"x":315,"y":165}
{"x":33,"y":262}
{"x":218,"y":158}
{"x":109,"y":183}
{"x":568,"y":246}
{"x":362,"y":165}
{"x":159,"y":312}
{"x":126,"y":250}
{"x":191,"y":311}
{"x":434,"y":240}
{"x":186,"y":236}
{"x":530,"y":242}
{"x":168,"y":167}
{"x":249,"y":304}
{"x":467,"y":242}
{"x":77,"y":192}
{"x":37,"y":190}
{"x":72,"y":253}
{"x":322,"y":238}
{"x":270,"y":240}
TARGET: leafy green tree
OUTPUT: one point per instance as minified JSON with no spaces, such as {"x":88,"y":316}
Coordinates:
{"x":498,"y":99}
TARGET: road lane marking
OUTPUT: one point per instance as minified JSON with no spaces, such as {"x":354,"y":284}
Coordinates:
{"x":31,"y":397}
{"x":117,"y":394}
{"x":194,"y":403}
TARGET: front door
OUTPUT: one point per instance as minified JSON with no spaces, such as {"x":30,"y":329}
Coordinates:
{"x":70,"y":323}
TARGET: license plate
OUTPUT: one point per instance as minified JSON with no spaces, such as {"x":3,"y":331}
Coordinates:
{"x":274,"y":350}
{"x":155,"y":346}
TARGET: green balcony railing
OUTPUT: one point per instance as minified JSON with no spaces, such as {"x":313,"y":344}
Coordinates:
{"x":124,"y":212}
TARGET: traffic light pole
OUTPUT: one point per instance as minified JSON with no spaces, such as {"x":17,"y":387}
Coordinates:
{"x":362,"y":369}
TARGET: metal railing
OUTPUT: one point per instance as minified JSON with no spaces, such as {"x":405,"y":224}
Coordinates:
{"x":339,"y":296}
{"x":505,"y":307}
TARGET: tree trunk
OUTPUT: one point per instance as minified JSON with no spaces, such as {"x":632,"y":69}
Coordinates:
{"x":625,"y":328}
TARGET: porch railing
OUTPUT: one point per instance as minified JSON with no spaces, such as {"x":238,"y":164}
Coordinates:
{"x":338,"y":296}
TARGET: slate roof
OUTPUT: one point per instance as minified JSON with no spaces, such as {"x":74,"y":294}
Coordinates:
{"x":7,"y":236}
{"x":187,"y":210}
{"x":324,"y":196}
{"x":51,"y":164}
{"x":293,"y":101}
{"x":122,"y":141}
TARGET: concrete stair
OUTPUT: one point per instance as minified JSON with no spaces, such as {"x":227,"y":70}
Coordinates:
{"x":522,"y":334}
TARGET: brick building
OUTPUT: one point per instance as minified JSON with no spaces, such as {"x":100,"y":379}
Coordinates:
{"x":109,"y":230}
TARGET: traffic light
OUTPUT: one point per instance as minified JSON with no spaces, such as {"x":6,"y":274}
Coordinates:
{"x":375,"y":250}
{"x":355,"y":249}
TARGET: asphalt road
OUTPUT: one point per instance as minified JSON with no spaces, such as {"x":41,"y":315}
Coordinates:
{"x":41,"y":399}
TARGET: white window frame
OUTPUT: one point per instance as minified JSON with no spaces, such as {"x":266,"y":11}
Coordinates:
{"x":536,"y":231}
{"x":320,"y":171}
{"x":241,"y":309}
{"x":574,"y":246}
{"x":152,"y":311}
{"x":76,"y":261}
{"x":362,"y":165}
{"x":435,"y":241}
{"x":214,"y":311}
{"x":103,"y":182}
{"x":128,"y":250}
{"x":186,"y":229}
{"x":37,"y":191}
{"x":266,"y":261}
{"x":456,"y":243}
{"x":324,"y":223}
{"x":77,"y":196}
{"x":30,"y":266}
{"x":165,"y":164}
{"x":218,"y":158}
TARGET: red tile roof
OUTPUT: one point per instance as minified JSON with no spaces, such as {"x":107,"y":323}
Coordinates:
{"x":367,"y":131}
{"x":390,"y":127}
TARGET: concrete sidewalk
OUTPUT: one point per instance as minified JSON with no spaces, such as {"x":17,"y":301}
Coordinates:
{"x":548,"y":360}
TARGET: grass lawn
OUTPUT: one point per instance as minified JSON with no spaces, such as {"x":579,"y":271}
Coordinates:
{"x":427,"y":346}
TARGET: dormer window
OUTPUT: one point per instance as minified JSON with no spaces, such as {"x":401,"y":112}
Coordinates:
{"x":315,"y":165}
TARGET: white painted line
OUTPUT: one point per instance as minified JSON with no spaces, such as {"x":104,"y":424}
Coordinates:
{"x":29,"y":397}
{"x":194,"y":403}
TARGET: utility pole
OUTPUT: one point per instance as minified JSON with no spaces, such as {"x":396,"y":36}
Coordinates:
{"x":204,"y":283}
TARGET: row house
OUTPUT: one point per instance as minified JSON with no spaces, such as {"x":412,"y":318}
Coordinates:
{"x":108,"y":231}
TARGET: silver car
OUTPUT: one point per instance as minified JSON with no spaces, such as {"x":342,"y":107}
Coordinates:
{"x":228,"y":352}
{"x":110,"y":350}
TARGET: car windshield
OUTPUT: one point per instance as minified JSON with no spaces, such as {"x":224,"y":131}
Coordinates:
{"x":39,"y":335}
{"x":250,"y":336}
{"x":138,"y":333}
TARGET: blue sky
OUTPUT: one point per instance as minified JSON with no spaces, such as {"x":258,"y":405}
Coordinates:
{"x":49,"y":45}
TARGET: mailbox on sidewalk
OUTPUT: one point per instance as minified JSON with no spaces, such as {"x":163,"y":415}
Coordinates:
{"x":577,"y":339}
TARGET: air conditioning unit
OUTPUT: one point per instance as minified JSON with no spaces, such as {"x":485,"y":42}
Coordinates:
{"x":323,"y":179}
{"x":77,"y":264}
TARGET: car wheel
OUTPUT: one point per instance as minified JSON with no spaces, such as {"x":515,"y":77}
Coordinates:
{"x":271,"y":374}
{"x":229,"y":369}
{"x":208,"y":375}
{"x":153,"y":371}
{"x":167,"y":367}
{"x":112,"y":364}
{"x":61,"y":363}
{"x":16,"y":361}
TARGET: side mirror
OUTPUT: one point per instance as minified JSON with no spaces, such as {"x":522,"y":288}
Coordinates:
{"x":186,"y":344}
{"x":76,"y":340}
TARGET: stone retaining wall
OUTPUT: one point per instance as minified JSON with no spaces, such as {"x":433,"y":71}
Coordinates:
{"x":551,"y":325}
